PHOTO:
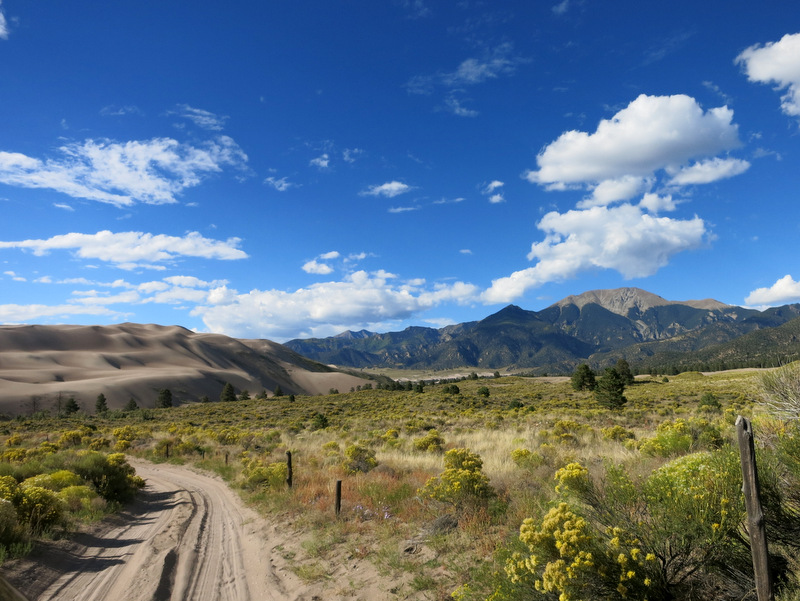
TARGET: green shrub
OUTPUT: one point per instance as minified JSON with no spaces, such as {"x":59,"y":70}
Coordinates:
{"x":54,"y":481}
{"x":272,"y":475}
{"x":462,"y":482}
{"x":432,"y":442}
{"x":110,"y":475}
{"x":39,"y":508}
{"x":77,"y":499}
{"x":358,"y":458}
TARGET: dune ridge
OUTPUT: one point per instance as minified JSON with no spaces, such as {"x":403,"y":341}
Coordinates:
{"x":40,"y":364}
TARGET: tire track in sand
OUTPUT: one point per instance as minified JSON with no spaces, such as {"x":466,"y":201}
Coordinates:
{"x":188,"y":538}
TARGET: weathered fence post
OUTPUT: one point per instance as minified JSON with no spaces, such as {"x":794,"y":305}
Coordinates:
{"x":338,"y":504}
{"x":226,"y":457}
{"x":289,"y":472}
{"x":756,"y":528}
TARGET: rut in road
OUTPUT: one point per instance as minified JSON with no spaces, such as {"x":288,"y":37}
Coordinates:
{"x":191,"y":538}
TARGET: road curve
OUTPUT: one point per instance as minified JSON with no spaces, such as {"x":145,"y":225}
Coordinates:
{"x":188,"y":537}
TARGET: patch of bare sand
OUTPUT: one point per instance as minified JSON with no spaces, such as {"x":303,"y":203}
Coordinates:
{"x":39,"y":363}
{"x":189,"y":537}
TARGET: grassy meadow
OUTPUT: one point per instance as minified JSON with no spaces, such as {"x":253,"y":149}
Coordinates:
{"x":554,"y":496}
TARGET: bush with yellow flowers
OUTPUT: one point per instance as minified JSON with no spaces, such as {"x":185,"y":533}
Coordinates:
{"x":462,"y":483}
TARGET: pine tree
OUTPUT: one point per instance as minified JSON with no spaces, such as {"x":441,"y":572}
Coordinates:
{"x":164,"y":398}
{"x":228,"y":393}
{"x":71,"y":406}
{"x":131,"y":405}
{"x":100,"y":405}
{"x":624,"y":370}
{"x":610,"y":389}
{"x":583,"y":378}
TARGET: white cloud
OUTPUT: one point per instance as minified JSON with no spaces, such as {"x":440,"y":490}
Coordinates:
{"x":201,"y":118}
{"x":321,"y":162}
{"x":622,"y":238}
{"x":454,"y":106}
{"x":334,"y":254}
{"x":134,"y":249}
{"x":496,"y":199}
{"x":650,"y":134}
{"x":3,"y":24}
{"x":361,"y":300}
{"x":777,"y":63}
{"x":280,"y":184}
{"x":705,"y":172}
{"x":492,"y":186}
{"x":317,"y":268}
{"x":14,"y":276}
{"x":492,"y":65}
{"x":658,"y":204}
{"x":61,"y":205}
{"x":402,"y":209}
{"x":13,"y":314}
{"x":614,"y":190}
{"x":465,"y":251}
{"x":153,"y":171}
{"x":389,"y":189}
{"x":785,"y":290}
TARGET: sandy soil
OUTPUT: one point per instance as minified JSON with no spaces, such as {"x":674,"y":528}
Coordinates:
{"x":187,"y":537}
{"x":40,"y":363}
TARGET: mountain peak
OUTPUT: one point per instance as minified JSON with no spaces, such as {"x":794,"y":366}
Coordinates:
{"x":622,"y":300}
{"x":618,"y":300}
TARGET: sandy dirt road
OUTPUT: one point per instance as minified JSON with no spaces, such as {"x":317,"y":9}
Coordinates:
{"x":187,"y":537}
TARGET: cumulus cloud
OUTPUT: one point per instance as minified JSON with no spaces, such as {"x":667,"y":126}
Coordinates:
{"x":494,"y":191}
{"x":776,"y":63}
{"x":129,"y":250}
{"x":615,"y":190}
{"x":652,"y":133}
{"x":705,"y":172}
{"x":622,"y":238}
{"x":389,"y":189}
{"x":153,"y":171}
{"x":317,"y":268}
{"x":785,"y":290}
{"x":361,"y":300}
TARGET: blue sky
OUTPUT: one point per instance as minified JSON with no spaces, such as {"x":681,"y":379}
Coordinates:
{"x":293,"y":169}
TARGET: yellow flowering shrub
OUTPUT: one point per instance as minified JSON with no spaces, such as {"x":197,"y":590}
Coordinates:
{"x":462,"y":482}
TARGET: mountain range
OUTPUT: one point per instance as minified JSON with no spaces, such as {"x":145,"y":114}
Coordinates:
{"x":595,"y":327}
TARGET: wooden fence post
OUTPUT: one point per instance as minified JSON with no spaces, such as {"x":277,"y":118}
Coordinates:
{"x":756,"y":528}
{"x":289,"y":469}
{"x":338,"y":504}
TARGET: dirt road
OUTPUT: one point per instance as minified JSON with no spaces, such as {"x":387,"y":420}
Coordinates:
{"x":187,"y":537}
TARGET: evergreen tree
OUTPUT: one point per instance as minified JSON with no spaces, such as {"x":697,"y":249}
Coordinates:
{"x":278,"y":391}
{"x":71,"y":406}
{"x":164,"y":398}
{"x":583,"y":378}
{"x":244,"y":395}
{"x":100,"y":405}
{"x":131,"y":405}
{"x":624,"y":371}
{"x":610,"y":389}
{"x":228,"y":393}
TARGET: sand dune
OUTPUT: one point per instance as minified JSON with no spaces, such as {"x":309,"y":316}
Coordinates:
{"x":39,"y":363}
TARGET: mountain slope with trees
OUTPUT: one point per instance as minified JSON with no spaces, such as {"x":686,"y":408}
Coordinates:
{"x":594,"y":327}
